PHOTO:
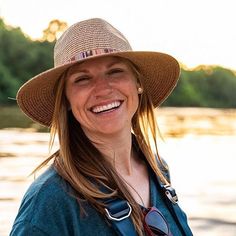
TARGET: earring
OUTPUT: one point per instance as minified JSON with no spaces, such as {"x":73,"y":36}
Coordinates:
{"x":140,"y":90}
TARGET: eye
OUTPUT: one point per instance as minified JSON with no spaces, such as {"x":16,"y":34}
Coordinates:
{"x":115,"y":71}
{"x":81,"y":79}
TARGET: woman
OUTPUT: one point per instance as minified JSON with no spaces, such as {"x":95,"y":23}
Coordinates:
{"x":105,"y":179}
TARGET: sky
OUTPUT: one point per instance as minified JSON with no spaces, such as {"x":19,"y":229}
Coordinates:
{"x":195,"y":32}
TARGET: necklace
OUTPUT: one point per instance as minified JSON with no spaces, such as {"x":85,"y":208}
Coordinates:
{"x":134,"y":191}
{"x":129,"y":184}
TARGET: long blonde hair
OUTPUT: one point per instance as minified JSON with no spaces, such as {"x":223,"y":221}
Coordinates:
{"x":80,"y":163}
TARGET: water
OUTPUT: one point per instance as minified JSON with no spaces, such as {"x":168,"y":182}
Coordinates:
{"x":203,"y":172}
{"x":199,"y":148}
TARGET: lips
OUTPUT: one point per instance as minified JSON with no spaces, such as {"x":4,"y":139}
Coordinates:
{"x":106,"y":107}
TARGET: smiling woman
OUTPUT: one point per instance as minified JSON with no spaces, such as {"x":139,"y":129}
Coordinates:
{"x":99,"y":99}
{"x":102,"y":95}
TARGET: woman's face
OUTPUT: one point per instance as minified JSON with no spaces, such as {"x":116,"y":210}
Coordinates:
{"x":102,"y":95}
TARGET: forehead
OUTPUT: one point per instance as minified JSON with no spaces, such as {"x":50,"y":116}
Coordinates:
{"x":96,"y":62}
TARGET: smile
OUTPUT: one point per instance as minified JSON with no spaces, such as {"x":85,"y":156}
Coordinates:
{"x":107,"y":107}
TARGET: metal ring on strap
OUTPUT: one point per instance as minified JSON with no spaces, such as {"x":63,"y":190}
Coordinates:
{"x":171,"y":194}
{"x":120,"y":215}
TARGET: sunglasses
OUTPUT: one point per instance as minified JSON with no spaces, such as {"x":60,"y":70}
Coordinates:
{"x":155,"y":223}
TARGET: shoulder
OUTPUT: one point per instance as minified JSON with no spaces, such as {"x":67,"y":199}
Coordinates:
{"x":46,"y":204}
{"x":49,"y":208}
{"x":49,"y":188}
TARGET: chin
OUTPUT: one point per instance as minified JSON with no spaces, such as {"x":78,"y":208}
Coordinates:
{"x":112,"y":130}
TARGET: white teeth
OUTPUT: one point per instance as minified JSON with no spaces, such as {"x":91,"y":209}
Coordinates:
{"x":106,"y":107}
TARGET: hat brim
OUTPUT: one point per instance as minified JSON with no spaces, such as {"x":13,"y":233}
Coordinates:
{"x":160,"y":75}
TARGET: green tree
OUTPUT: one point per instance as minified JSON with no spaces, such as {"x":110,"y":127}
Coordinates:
{"x":21,"y":59}
{"x":185,"y":94}
{"x":221,"y":88}
{"x":205,"y":86}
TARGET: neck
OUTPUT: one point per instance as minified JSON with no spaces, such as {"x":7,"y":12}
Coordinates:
{"x":117,"y":148}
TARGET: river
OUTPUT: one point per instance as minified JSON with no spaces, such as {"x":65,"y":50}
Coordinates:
{"x":199,"y":147}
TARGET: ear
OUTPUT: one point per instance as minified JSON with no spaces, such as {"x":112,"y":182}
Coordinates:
{"x":140,"y":90}
{"x":139,"y":87}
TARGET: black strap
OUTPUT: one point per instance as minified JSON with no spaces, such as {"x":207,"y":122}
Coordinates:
{"x":171,"y":200}
{"x":119,"y":208}
{"x":118,"y":213}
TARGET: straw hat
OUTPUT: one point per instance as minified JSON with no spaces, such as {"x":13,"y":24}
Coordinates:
{"x":89,"y":39}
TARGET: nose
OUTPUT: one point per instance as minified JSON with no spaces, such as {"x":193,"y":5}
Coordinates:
{"x":102,"y":86}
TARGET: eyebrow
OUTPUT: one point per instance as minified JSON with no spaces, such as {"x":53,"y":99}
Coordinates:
{"x":114,"y":63}
{"x":78,"y":70}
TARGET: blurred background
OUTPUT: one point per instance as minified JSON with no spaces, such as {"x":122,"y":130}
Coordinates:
{"x":197,"y":121}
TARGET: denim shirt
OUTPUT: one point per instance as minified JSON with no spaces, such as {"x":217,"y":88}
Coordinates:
{"x":49,"y":209}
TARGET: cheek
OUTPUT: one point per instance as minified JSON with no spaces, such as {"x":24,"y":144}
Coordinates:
{"x":76,"y":105}
{"x":68,"y":93}
{"x":77,"y":102}
{"x":73,"y":96}
{"x":136,"y":101}
{"x":133,"y":94}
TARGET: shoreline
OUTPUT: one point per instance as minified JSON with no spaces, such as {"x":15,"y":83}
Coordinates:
{"x":176,"y":122}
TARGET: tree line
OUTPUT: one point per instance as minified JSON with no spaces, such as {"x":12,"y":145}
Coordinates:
{"x":22,"y":58}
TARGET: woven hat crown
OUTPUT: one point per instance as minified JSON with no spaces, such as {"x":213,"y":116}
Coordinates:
{"x":88,"y":38}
